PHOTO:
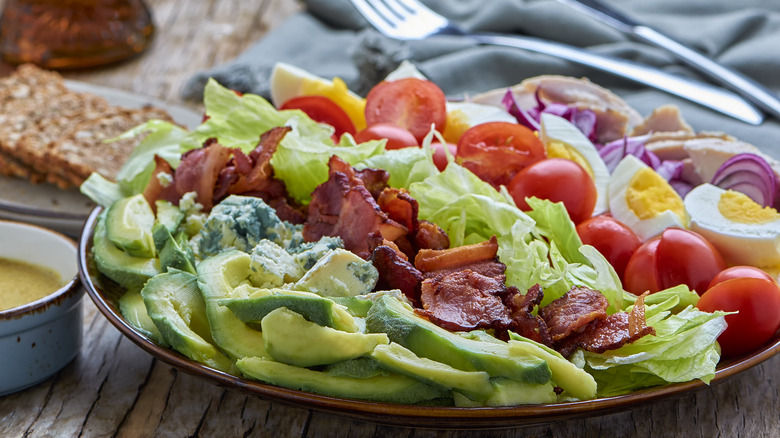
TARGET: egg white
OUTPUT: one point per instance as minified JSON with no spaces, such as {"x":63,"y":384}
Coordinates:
{"x":557,"y":129}
{"x":739,"y":243}
{"x":618,"y":184}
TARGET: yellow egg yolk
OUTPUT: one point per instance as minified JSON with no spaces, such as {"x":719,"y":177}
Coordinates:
{"x":649,"y":195}
{"x":738,"y":207}
{"x":457,"y":123}
{"x":338,"y":92}
{"x":558,"y":149}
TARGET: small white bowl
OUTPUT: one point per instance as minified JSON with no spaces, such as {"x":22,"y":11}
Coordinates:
{"x":37,"y":339}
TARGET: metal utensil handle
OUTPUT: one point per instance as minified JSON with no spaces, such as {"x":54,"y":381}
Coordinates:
{"x":705,"y":94}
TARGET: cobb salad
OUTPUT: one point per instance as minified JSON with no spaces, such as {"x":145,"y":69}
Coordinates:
{"x":521,"y":246}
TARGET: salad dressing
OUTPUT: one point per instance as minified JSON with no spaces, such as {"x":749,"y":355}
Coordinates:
{"x":22,"y":282}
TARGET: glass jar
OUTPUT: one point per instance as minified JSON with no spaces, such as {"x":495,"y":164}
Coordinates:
{"x":68,"y":34}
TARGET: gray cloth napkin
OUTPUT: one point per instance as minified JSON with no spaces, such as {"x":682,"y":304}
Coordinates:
{"x":331,"y":39}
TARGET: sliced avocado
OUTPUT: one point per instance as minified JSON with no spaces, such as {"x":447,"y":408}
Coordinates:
{"x":339,"y":273}
{"x":392,"y":388}
{"x":130,"y":272}
{"x":402,"y":325}
{"x":166,"y":223}
{"x":176,"y":306}
{"x":133,"y":309}
{"x":175,"y":252}
{"x":360,"y":367}
{"x":289,"y":338}
{"x":355,"y":305}
{"x":508,"y":392}
{"x":129,"y":223}
{"x":313,"y":307}
{"x":394,"y":357}
{"x":218,"y":278}
{"x":577,"y":382}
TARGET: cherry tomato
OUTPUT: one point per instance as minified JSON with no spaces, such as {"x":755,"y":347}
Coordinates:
{"x":740,"y":272}
{"x":614,"y":240}
{"x":323,"y":110}
{"x":680,"y":257}
{"x":410,"y":103}
{"x":439,"y":156}
{"x":641,"y":275}
{"x":757,"y":302}
{"x":558,"y":180}
{"x":685,"y":257}
{"x":397,"y":138}
{"x":496,"y":151}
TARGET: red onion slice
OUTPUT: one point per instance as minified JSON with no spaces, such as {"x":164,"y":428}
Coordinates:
{"x":751,"y":175}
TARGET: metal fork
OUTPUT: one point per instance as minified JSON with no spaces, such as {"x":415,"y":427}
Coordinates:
{"x":411,"y":20}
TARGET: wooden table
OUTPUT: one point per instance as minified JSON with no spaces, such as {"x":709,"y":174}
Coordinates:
{"x":115,"y":388}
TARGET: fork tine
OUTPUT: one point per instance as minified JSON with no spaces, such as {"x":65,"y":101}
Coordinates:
{"x":401,"y":19}
{"x":374,"y":17}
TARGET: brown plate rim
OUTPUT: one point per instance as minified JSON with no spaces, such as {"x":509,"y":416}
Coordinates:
{"x":396,"y":414}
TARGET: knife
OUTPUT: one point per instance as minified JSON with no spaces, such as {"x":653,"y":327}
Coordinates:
{"x":741,"y":84}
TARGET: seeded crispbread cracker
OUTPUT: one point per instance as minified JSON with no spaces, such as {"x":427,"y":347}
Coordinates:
{"x":83,"y":149}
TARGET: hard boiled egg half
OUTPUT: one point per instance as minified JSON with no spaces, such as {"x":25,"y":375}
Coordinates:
{"x":562,"y":139}
{"x":288,"y":81}
{"x":643,"y":200}
{"x":743,"y":231}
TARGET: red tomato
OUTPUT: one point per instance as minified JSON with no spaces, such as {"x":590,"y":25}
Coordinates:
{"x":558,"y":180}
{"x":410,"y":103}
{"x":440,"y":157}
{"x":740,"y":272}
{"x":676,"y":257}
{"x":685,"y":257}
{"x":641,"y":275}
{"x":323,"y":110}
{"x":496,"y":151}
{"x":397,"y":138}
{"x":614,"y":240}
{"x":758,"y":303}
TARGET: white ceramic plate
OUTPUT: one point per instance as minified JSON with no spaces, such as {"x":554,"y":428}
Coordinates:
{"x":67,"y":210}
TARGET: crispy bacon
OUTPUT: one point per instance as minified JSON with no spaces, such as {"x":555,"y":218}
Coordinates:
{"x":375,"y":180}
{"x":396,"y":273}
{"x":479,"y":257}
{"x":199,"y":170}
{"x":573,"y":311}
{"x":430,"y":236}
{"x":524,"y":322}
{"x":465,"y":300}
{"x":342,"y":206}
{"x":156,"y":190}
{"x":612,"y":332}
{"x":400,"y":207}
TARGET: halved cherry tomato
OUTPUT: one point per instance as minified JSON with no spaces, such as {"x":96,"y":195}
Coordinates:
{"x":757,"y":302}
{"x":614,"y":240}
{"x":496,"y":151}
{"x":323,"y":110}
{"x":641,"y":275}
{"x":397,"y":138}
{"x":558,"y":180}
{"x":440,"y":157}
{"x":681,"y":257}
{"x":410,"y":103}
{"x":740,"y":272}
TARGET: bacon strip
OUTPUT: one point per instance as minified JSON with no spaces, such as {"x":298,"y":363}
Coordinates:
{"x":573,"y":311}
{"x":454,"y":259}
{"x":199,"y":170}
{"x":465,"y":300}
{"x":430,"y":236}
{"x":155,"y":190}
{"x":396,"y":273}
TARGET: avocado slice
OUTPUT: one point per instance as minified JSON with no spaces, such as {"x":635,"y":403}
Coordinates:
{"x":218,"y":278}
{"x":403,"y":326}
{"x":394,"y":357}
{"x":176,"y":306}
{"x":392,"y":388}
{"x":289,"y":338}
{"x":130,"y":272}
{"x":133,"y":309}
{"x":356,"y":306}
{"x":175,"y":251}
{"x":313,"y":307}
{"x":129,"y":224}
{"x":508,"y":392}
{"x":565,"y":374}
{"x":168,"y":218}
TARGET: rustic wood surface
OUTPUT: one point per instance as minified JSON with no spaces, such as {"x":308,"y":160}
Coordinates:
{"x":116,"y":389}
